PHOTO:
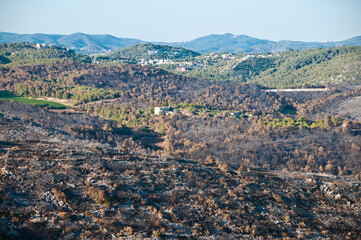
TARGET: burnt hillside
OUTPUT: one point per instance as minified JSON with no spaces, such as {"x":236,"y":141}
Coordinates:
{"x":55,"y":185}
{"x":133,"y":84}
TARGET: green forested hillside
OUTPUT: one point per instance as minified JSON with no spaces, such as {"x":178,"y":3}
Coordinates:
{"x":313,"y":67}
{"x":292,"y":68}
{"x":149,"y":51}
{"x":28,"y":54}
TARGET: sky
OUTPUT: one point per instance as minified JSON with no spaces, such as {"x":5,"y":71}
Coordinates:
{"x":184,"y":20}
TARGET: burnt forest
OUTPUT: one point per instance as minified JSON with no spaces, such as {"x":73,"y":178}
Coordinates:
{"x":160,"y":142}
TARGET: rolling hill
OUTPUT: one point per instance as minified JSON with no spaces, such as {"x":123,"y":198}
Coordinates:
{"x":289,"y":69}
{"x":149,"y":51}
{"x":80,"y":42}
{"x":96,"y":44}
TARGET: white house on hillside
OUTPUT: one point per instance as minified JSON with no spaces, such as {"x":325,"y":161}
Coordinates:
{"x":164,"y":110}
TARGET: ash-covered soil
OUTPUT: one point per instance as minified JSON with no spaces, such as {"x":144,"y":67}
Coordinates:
{"x":350,"y":109}
{"x":55,"y":186}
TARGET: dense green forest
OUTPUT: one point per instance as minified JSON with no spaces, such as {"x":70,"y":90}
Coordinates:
{"x":30,"y":54}
{"x":148,"y":51}
{"x":289,"y":69}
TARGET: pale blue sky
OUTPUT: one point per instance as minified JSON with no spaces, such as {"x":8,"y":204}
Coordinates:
{"x":183,"y":20}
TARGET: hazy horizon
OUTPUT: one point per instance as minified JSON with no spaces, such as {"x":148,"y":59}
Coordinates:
{"x":171,"y":21}
{"x":174,"y":41}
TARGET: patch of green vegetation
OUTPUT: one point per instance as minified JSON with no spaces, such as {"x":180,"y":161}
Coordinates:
{"x":41,"y":103}
{"x":36,"y":102}
{"x":302,"y":121}
{"x":59,"y":89}
{"x":124,"y":115}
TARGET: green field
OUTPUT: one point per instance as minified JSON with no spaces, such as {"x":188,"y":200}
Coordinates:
{"x":36,"y":102}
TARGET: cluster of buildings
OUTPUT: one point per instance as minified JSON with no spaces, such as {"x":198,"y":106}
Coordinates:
{"x":199,"y":63}
{"x":224,"y":56}
{"x":259,"y":56}
{"x":41,"y":45}
{"x":155,"y":61}
{"x":206,"y":61}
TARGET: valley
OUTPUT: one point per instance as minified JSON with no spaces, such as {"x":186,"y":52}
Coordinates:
{"x":249,"y":146}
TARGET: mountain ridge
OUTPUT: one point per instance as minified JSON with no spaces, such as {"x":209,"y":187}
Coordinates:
{"x":103,"y":43}
{"x":245,"y":44}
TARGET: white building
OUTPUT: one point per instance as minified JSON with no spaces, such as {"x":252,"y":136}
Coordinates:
{"x":160,"y":110}
{"x":164,"y":110}
{"x":235,"y":114}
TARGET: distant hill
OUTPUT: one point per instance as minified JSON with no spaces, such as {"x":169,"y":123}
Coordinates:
{"x":355,"y":41}
{"x":245,"y":44}
{"x":227,"y":43}
{"x":97,"y":44}
{"x":149,"y":51}
{"x":80,"y":42}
